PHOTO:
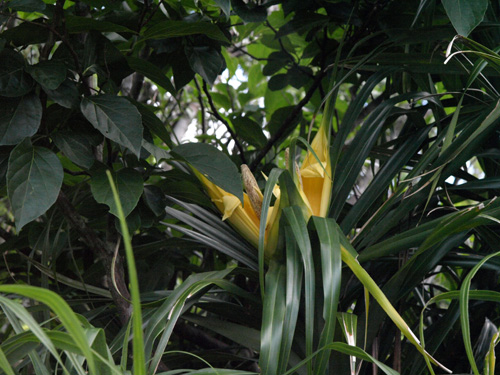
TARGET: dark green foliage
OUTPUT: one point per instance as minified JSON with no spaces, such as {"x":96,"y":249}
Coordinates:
{"x":92,"y":86}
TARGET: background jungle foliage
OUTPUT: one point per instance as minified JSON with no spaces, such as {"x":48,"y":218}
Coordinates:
{"x":90,"y":86}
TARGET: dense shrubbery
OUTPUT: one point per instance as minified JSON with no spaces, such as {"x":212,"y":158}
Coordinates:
{"x":410,"y":142}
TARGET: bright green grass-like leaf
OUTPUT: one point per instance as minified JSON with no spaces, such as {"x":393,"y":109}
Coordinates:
{"x":19,"y":118}
{"x":465,"y":15}
{"x":4,"y":364}
{"x":349,"y":350}
{"x":17,"y":313}
{"x":128,"y":183}
{"x":213,"y":164}
{"x":353,"y":159}
{"x":139,"y":364}
{"x":482,"y":295}
{"x":382,"y":300}
{"x":34,"y":178}
{"x":266,"y":203}
{"x":294,"y":276}
{"x":464,"y":310}
{"x":64,"y":313}
{"x":240,"y":334}
{"x":348,"y":322}
{"x":116,"y":118}
{"x":272,"y":318}
{"x":163,"y":320}
{"x":211,"y":231}
{"x":298,"y":227}
{"x":490,"y":360}
{"x":331,"y":269}
{"x":208,"y":371}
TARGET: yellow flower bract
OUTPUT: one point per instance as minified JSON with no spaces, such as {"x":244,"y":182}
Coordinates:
{"x":315,"y":189}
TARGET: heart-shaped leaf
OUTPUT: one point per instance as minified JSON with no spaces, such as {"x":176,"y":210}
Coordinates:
{"x":19,"y":118}
{"x":465,"y":15}
{"x":50,"y":74}
{"x":129,"y":184}
{"x":13,"y":79}
{"x":213,"y":164}
{"x":34,"y":179}
{"x":116,"y":118}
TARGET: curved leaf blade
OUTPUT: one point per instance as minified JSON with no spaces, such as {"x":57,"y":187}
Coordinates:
{"x":67,"y":317}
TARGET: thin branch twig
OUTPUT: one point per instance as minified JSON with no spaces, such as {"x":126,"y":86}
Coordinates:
{"x":202,"y":109}
{"x":221,"y":119}
{"x":288,"y":121}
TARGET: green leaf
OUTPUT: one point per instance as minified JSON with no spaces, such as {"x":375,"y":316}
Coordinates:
{"x":76,"y":24}
{"x":137,"y":329}
{"x":225,"y":6}
{"x":151,"y":71}
{"x":464,"y":309}
{"x":240,"y":334}
{"x":49,"y":74}
{"x":331,"y":269}
{"x":64,"y":313}
{"x":4,"y":364}
{"x":272,"y":318}
{"x":157,"y":152}
{"x":26,"y":33}
{"x":13,"y":80}
{"x":76,"y":145}
{"x":66,"y":95}
{"x":154,"y":124}
{"x":298,"y":225}
{"x":129,"y":184}
{"x":155,"y":199}
{"x":278,"y":82}
{"x":465,"y":15}
{"x":212,"y":232}
{"x":249,"y":130}
{"x":248,"y":12}
{"x":380,"y":297}
{"x":27,"y":5}
{"x":213,"y":164}
{"x":34,"y":178}
{"x":19,"y":118}
{"x":294,"y":280}
{"x":116,"y":118}
{"x":161,"y":323}
{"x":278,"y":118}
{"x":205,"y":61}
{"x":276,"y":62}
{"x":172,"y":29}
